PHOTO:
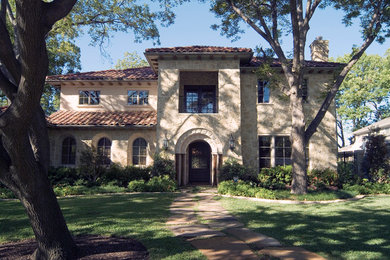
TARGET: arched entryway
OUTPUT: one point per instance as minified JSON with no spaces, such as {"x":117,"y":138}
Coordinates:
{"x":199,"y":158}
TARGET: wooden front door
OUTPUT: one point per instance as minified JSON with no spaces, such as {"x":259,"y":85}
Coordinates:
{"x":200,"y":160}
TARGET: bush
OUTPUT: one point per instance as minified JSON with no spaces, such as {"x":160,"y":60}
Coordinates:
{"x":91,"y":166}
{"x":275,"y":178}
{"x":240,"y":188}
{"x":163,"y":166}
{"x":369,"y":188}
{"x":62,"y":176}
{"x":346,"y":175}
{"x":231,"y":169}
{"x":374,"y":155}
{"x":321,"y":178}
{"x":155,"y":184}
{"x":265,"y":194}
{"x":137,"y":186}
{"x":122,"y":176}
{"x":5,"y":193}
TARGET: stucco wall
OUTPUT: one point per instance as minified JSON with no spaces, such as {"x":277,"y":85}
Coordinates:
{"x":274,"y":119}
{"x":113,"y":96}
{"x":172,"y":124}
{"x":121,"y":139}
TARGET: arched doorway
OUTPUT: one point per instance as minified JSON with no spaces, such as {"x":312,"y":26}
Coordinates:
{"x":199,"y":155}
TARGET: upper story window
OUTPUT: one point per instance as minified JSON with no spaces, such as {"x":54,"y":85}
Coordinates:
{"x":138,"y":97}
{"x":200,"y":99}
{"x":304,"y":90}
{"x":89,"y":97}
{"x":68,"y":151}
{"x":263,"y":91}
{"x":104,"y":150}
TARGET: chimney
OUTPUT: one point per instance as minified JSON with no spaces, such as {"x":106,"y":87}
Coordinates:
{"x":319,"y":49}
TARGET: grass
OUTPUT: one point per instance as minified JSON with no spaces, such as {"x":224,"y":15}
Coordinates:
{"x":140,"y":216}
{"x":347,"y":230}
{"x":315,"y":195}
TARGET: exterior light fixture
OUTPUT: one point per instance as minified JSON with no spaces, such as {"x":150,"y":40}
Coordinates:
{"x":165,"y":144}
{"x":232,"y":143}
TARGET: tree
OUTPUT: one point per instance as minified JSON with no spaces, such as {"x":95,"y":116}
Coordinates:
{"x":271,"y":19}
{"x":130,"y":60}
{"x":364,"y":96}
{"x":25,"y":26}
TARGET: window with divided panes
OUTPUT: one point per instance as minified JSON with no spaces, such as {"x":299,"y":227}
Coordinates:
{"x":263,"y":91}
{"x":139,"y":151}
{"x":199,"y":99}
{"x":138,"y":97}
{"x":89,"y":97}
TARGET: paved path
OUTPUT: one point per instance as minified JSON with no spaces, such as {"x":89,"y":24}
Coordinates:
{"x":201,"y":220}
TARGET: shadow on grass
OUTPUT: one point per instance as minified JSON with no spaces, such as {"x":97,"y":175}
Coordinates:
{"x":139,"y":216}
{"x":350,"y":230}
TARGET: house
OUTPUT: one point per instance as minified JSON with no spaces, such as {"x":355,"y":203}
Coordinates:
{"x":199,"y":105}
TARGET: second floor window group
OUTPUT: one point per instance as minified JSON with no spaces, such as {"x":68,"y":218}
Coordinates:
{"x":89,"y":97}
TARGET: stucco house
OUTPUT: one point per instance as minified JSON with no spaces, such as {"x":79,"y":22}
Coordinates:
{"x":199,"y":105}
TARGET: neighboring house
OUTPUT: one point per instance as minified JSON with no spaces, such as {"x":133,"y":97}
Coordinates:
{"x":199,"y":105}
{"x":381,"y":127}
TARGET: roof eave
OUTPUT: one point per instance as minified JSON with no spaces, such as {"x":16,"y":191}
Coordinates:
{"x":102,"y":126}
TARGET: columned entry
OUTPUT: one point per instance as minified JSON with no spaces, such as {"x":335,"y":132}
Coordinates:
{"x":199,"y":154}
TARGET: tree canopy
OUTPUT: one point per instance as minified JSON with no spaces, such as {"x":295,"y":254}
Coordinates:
{"x":364,"y":96}
{"x":131,"y":60}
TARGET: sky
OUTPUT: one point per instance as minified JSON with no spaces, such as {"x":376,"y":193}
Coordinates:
{"x":192,"y":27}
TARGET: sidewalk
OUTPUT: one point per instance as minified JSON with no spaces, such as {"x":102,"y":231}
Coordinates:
{"x":202,"y":221}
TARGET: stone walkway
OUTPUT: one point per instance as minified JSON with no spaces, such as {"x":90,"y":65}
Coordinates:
{"x":201,"y":220}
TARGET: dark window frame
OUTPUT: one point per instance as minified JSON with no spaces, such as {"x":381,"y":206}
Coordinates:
{"x":137,"y":97}
{"x":68,"y":151}
{"x":264,"y":159}
{"x":89,"y":97}
{"x":104,"y":150}
{"x":263,"y":92}
{"x":200,"y":94}
{"x":305,"y":91}
{"x":283,"y":151}
{"x":140,"y":153}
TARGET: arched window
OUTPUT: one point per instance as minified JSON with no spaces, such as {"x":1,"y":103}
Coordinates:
{"x":139,"y":151}
{"x":104,"y":150}
{"x":68,"y":151}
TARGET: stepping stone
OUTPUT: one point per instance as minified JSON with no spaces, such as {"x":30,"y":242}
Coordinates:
{"x":183,"y":199}
{"x":224,"y":248}
{"x":198,"y":231}
{"x":220,"y":225}
{"x":212,"y":215}
{"x":290,"y":253}
{"x":257,"y":240}
{"x":181,"y":210}
{"x":181,"y":219}
{"x":183,"y":204}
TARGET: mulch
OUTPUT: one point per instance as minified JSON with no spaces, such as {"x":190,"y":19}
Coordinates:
{"x":92,"y":247}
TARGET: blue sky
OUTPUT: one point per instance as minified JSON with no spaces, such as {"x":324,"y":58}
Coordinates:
{"x":192,"y":27}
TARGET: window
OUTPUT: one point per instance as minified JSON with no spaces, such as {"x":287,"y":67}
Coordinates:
{"x":138,"y":97}
{"x":274,"y":151}
{"x":263,"y":91}
{"x":304,"y":90}
{"x":139,"y":151}
{"x":265,"y":151}
{"x":200,"y":99}
{"x":68,"y":151}
{"x":89,"y":97}
{"x":104,"y":150}
{"x":282,"y":150}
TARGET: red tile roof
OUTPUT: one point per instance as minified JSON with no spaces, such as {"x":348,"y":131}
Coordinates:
{"x":144,"y":73}
{"x":189,"y":49}
{"x":102,"y":118}
{"x":256,"y":61}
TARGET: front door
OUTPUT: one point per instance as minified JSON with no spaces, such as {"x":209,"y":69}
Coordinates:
{"x":199,"y":159}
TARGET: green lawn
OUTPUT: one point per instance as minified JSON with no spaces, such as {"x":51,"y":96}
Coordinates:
{"x":140,"y":216}
{"x":348,"y":230}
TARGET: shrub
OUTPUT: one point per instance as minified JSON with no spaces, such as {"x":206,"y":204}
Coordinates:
{"x":240,"y":188}
{"x":374,"y":155}
{"x":122,"y":176}
{"x":231,"y":169}
{"x":265,"y":194}
{"x":163,"y":166}
{"x":381,"y":175}
{"x":91,"y":166}
{"x":321,"y":178}
{"x":346,"y":175}
{"x":275,"y":178}
{"x":161,"y":184}
{"x":369,"y":188}
{"x":137,"y":186}
{"x":6,"y":193}
{"x":62,"y":176}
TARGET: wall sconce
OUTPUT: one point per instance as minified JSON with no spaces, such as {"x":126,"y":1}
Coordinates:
{"x":232,"y":142}
{"x":165,"y":144}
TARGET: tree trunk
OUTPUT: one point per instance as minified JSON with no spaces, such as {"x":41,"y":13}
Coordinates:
{"x":298,"y":153}
{"x":27,"y":178}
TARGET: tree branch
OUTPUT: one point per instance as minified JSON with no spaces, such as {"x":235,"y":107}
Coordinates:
{"x":6,"y":86}
{"x":7,"y":55}
{"x":57,"y":10}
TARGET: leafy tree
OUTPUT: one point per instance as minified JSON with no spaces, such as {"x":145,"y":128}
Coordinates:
{"x":131,"y":60}
{"x":364,"y":96}
{"x":25,"y":26}
{"x":273,"y":18}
